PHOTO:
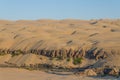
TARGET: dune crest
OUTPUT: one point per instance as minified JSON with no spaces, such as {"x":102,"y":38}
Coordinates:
{"x":57,"y":34}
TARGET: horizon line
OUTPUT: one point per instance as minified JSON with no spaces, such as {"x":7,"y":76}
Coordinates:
{"x":60,"y":19}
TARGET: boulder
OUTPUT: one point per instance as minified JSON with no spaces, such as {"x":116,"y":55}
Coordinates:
{"x":87,"y":72}
{"x":90,"y":72}
{"x":114,"y":72}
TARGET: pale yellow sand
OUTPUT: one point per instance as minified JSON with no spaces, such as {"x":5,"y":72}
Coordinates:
{"x":22,"y":74}
{"x":57,"y":34}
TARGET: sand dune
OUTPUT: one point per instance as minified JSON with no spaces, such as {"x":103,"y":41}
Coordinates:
{"x":57,"y":34}
{"x":103,"y":36}
{"x":97,"y":42}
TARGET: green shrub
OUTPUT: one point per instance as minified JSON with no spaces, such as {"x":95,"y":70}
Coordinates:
{"x":2,"y":54}
{"x":77,"y":61}
{"x":52,"y":58}
{"x":68,"y":59}
{"x":59,"y":58}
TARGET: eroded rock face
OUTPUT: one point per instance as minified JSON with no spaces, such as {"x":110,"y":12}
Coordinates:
{"x":112,"y":71}
{"x":70,"y":53}
{"x":97,"y":54}
{"x":92,"y":53}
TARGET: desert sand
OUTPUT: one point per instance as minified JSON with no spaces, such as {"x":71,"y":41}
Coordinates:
{"x":97,"y":42}
{"x":22,"y":74}
{"x":57,"y":34}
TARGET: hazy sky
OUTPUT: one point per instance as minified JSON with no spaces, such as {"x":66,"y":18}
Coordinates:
{"x":59,"y":9}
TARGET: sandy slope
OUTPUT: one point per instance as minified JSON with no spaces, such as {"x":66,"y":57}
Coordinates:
{"x":33,"y":59}
{"x":21,"y":74}
{"x":56,"y":34}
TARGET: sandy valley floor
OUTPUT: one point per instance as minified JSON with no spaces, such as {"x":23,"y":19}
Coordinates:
{"x":22,"y":74}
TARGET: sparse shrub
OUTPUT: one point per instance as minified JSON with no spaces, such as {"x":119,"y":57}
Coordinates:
{"x":94,"y":22}
{"x":18,"y":52}
{"x":2,"y":54}
{"x":68,"y":59}
{"x":29,"y":68}
{"x":52,"y":58}
{"x":59,"y":58}
{"x":113,"y":30}
{"x":77,"y":61}
{"x":104,"y":26}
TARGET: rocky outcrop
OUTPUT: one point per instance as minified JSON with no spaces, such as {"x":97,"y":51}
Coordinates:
{"x":97,"y":54}
{"x":87,"y":72}
{"x":100,"y":72}
{"x":92,"y":53}
{"x":112,"y":71}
